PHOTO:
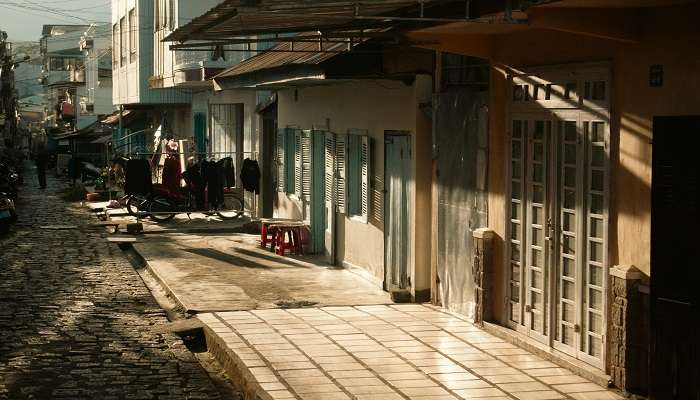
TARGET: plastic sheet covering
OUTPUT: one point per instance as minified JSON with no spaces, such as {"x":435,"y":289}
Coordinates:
{"x":460,"y":129}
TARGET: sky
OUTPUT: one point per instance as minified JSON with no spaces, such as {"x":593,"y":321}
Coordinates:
{"x":23,"y":19}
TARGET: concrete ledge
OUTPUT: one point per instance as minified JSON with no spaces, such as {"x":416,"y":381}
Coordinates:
{"x":626,"y":272}
{"x":564,"y":360}
{"x":234,"y":367}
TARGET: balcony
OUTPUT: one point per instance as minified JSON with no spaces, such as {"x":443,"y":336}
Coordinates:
{"x":57,"y":77}
{"x":77,"y":76}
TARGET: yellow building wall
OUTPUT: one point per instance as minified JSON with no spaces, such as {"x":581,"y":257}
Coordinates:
{"x":669,"y":36}
{"x":377,"y":106}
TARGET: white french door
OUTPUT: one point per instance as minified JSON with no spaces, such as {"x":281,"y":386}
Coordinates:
{"x":557,"y":228}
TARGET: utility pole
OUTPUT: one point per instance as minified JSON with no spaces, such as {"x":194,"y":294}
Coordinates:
{"x":8,"y":100}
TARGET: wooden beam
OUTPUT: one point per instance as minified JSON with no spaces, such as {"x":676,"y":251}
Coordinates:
{"x":622,"y":25}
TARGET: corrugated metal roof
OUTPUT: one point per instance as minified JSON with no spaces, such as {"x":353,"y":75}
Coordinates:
{"x":236,"y":18}
{"x":305,"y":53}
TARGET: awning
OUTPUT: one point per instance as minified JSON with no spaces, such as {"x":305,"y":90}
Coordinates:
{"x":239,"y":18}
{"x":127,"y":117}
{"x":286,"y":63}
{"x":102,"y":139}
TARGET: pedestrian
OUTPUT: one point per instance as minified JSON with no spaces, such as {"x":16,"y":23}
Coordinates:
{"x":41,"y":159}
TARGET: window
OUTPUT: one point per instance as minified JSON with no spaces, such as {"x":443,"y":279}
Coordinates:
{"x":286,"y":160}
{"x":357,"y":160}
{"x":122,"y":41}
{"x":115,"y":46}
{"x":132,"y":35}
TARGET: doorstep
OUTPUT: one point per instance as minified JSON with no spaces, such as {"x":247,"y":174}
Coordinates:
{"x":564,"y":360}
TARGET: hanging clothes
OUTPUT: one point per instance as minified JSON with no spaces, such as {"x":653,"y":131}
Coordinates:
{"x":250,"y":175}
{"x":213,"y":176}
{"x":137,"y":177}
{"x":229,"y":171}
{"x":196,"y":184}
{"x":171,"y":174}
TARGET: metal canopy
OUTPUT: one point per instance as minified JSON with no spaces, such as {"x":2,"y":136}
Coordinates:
{"x":238,"y":18}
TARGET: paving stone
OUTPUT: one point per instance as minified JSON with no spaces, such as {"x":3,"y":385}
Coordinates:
{"x":77,"y":320}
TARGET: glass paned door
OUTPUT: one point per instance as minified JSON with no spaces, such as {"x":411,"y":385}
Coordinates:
{"x":557,"y":230}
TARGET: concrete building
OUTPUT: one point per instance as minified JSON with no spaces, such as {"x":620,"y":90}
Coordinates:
{"x":589,"y":106}
{"x":95,"y":97}
{"x":62,"y":74}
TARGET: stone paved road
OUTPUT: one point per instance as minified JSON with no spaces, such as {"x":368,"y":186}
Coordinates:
{"x":76,"y":321}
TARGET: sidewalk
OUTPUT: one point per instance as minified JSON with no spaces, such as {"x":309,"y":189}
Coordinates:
{"x":383,"y":353}
{"x":214,"y":272}
{"x":294,"y":328}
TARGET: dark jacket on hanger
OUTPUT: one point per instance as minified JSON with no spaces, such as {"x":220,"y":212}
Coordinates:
{"x":229,"y":171}
{"x":213,"y":176}
{"x":137,"y":177}
{"x":196,"y":184}
{"x":250,"y":175}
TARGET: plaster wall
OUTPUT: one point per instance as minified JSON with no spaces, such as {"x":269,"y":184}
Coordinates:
{"x":667,"y":36}
{"x":376,"y":106}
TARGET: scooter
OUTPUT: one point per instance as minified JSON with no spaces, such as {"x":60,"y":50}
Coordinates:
{"x":163,"y":204}
{"x":9,"y":181}
{"x":8,"y":214}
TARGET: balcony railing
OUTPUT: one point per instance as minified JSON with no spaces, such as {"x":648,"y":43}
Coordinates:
{"x":77,"y":76}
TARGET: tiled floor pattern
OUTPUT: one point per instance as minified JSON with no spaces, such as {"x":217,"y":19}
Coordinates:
{"x":388,"y":353}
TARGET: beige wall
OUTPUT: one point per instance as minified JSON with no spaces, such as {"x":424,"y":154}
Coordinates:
{"x":375,"y":106}
{"x":669,"y":36}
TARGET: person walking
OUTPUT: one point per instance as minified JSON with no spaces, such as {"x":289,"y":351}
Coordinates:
{"x":41,"y":159}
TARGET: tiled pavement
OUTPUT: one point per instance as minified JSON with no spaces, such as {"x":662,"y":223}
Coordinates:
{"x":384,"y":353}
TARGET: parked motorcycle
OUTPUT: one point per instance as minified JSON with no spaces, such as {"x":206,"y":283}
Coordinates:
{"x":163,"y":205}
{"x":9,"y":181}
{"x":8,"y":214}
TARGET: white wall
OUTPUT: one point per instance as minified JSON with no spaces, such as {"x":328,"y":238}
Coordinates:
{"x":376,"y":106}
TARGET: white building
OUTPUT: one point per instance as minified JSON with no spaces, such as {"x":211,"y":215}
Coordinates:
{"x":95,"y":97}
{"x":61,"y":77}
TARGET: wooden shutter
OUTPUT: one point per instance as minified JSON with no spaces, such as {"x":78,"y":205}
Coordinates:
{"x":341,"y":171}
{"x":329,"y":154}
{"x":297,"y":163}
{"x":364,"y":179}
{"x":280,"y":159}
{"x":306,"y":173}
{"x":289,"y":153}
{"x":352,"y":183}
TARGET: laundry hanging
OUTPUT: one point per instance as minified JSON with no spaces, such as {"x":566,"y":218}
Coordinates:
{"x":250,"y":175}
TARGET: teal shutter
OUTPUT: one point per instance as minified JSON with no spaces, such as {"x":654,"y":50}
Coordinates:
{"x":353,"y":174}
{"x":280,"y":159}
{"x":298,"y":176}
{"x":341,"y":169}
{"x":329,"y":161}
{"x":365,"y":157}
{"x":306,"y":181}
{"x":289,"y":155}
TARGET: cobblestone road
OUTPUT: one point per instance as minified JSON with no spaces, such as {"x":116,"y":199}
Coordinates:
{"x":76,"y":321}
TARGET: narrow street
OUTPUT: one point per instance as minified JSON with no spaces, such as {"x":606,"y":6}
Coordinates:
{"x":77,"y":321}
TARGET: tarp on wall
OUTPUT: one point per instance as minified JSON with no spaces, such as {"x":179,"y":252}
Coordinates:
{"x":460,"y":119}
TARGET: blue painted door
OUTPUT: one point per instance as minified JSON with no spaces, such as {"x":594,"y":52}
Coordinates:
{"x":397,"y":208}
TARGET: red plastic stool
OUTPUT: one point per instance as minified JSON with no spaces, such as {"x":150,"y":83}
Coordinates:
{"x":293,"y":236}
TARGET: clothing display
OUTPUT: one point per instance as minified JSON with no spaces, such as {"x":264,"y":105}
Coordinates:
{"x":229,"y":171}
{"x":137,"y":178}
{"x":250,"y":175}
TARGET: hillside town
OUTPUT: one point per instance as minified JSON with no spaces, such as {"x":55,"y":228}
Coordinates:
{"x":332,"y":199}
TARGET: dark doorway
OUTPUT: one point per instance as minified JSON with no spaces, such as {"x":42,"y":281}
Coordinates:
{"x":675,"y":272}
{"x":269,"y":128}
